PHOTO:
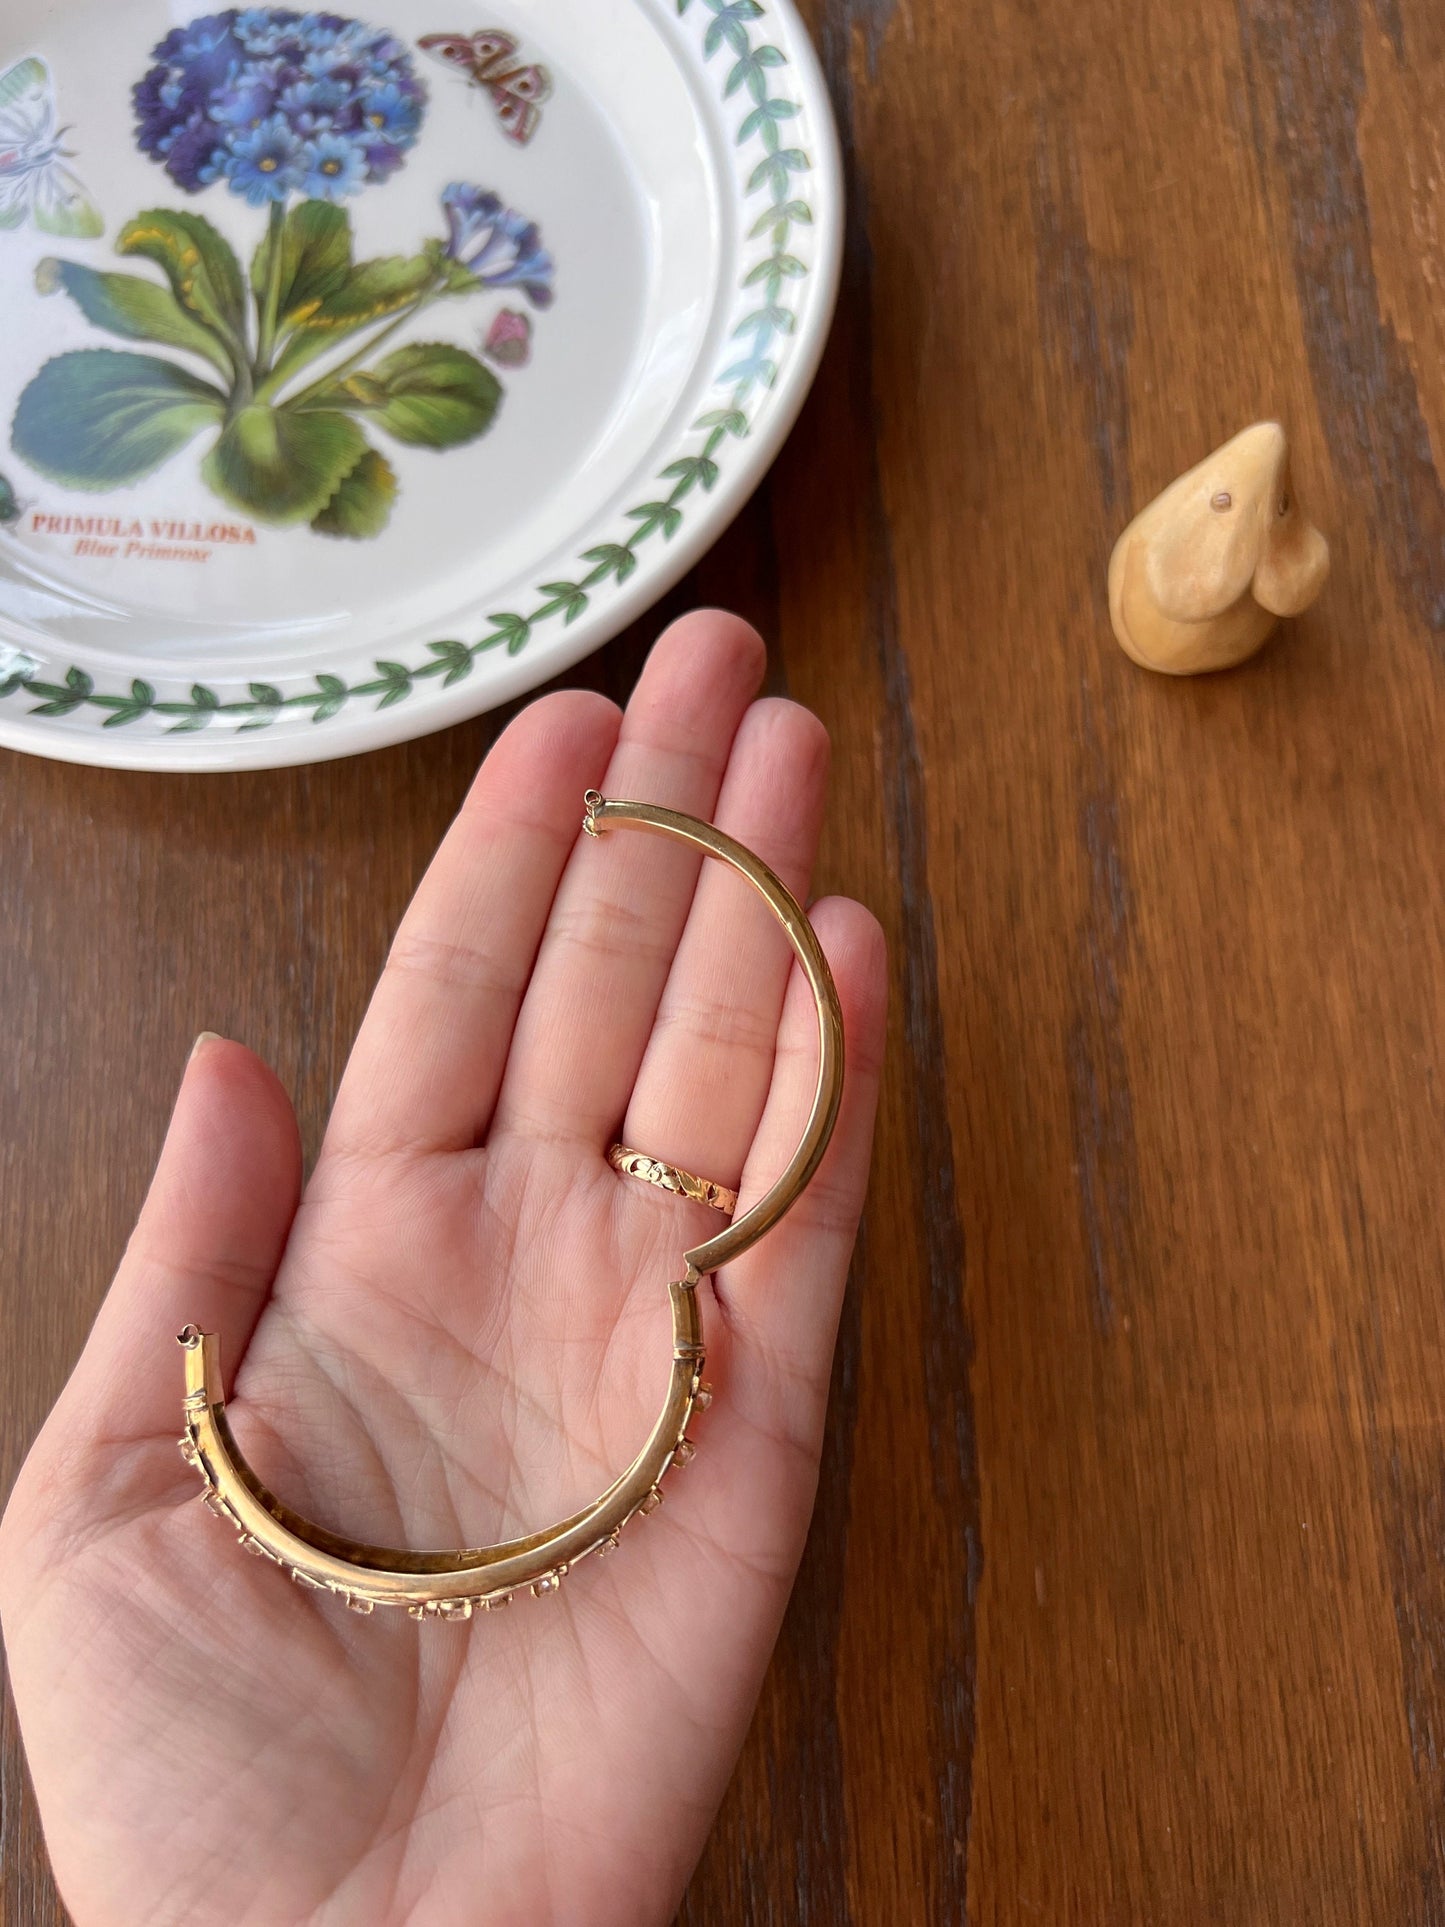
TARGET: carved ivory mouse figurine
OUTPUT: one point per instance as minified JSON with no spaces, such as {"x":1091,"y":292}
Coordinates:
{"x":1200,"y":578}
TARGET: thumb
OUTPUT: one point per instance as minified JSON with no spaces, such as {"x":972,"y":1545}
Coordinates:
{"x":206,"y":1248}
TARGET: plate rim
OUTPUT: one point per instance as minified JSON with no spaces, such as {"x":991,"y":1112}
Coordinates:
{"x":190,"y":747}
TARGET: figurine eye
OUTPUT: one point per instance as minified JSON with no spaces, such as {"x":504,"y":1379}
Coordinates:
{"x":1219,"y":503}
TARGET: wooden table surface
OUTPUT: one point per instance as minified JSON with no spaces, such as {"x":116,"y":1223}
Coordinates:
{"x":1125,"y":1599}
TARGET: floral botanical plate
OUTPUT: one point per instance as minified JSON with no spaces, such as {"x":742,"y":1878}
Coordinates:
{"x":360,"y":373}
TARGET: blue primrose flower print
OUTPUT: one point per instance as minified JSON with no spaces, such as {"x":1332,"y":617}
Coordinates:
{"x":267,"y":162}
{"x":502,"y":248}
{"x":263,"y":29}
{"x":295,"y":365}
{"x":390,"y":113}
{"x":266,"y":99}
{"x":314,"y":106}
{"x":334,"y":166}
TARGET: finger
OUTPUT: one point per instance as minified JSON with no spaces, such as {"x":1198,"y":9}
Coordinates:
{"x":204,"y":1251}
{"x":426,"y":1067}
{"x":782,"y":1299}
{"x":624,"y":898}
{"x":709,"y":1061}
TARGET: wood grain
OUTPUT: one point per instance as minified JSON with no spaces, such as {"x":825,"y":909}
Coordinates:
{"x":1125,"y":1600}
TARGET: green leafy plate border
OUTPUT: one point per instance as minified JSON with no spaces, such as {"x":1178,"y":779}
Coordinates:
{"x":781,"y":169}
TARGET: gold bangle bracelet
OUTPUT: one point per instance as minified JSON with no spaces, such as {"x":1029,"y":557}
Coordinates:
{"x":453,"y":1584}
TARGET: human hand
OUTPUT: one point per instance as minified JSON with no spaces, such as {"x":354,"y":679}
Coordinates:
{"x":458,"y":1333}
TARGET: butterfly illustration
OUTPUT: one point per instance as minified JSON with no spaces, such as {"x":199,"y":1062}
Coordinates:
{"x":488,"y":60}
{"x":35,"y":185}
{"x":509,"y":340}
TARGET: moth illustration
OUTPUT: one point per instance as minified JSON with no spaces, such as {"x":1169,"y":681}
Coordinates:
{"x":489,"y":61}
{"x":509,"y":340}
{"x":35,"y":183}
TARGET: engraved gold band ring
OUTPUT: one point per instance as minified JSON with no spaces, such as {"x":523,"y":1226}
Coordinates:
{"x":672,"y":1177}
{"x":452,"y":1584}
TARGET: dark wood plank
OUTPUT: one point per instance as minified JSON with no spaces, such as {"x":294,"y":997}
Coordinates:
{"x":1187,"y":945}
{"x":1124,"y":1598}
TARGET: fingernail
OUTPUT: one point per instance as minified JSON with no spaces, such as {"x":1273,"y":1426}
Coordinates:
{"x":206,"y":1037}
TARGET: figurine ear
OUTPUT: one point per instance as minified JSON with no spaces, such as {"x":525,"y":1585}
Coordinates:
{"x":1207,"y":534}
{"x":1199,"y":559}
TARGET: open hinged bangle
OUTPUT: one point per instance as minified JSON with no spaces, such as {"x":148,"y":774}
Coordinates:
{"x":452,"y":1584}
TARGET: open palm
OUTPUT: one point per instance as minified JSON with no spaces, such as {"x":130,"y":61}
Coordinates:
{"x":459,"y":1333}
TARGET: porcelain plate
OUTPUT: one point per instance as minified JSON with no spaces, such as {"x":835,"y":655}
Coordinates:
{"x":362,"y":371}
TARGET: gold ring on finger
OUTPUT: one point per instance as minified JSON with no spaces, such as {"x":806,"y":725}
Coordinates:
{"x":671,"y":1177}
